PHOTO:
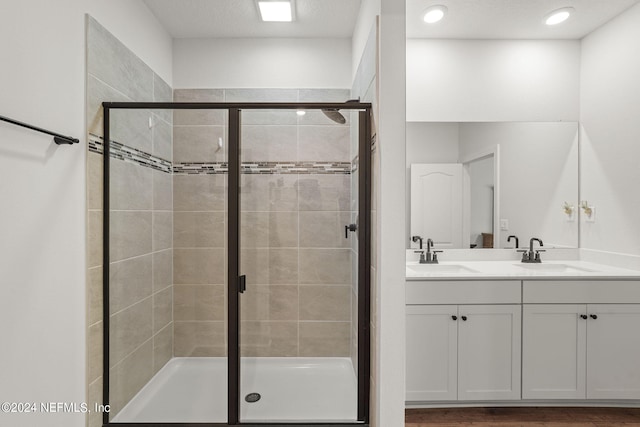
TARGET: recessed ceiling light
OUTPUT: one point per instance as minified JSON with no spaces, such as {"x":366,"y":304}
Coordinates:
{"x":558,"y":16}
{"x":434,"y":14}
{"x":275,"y":10}
{"x":301,"y":112}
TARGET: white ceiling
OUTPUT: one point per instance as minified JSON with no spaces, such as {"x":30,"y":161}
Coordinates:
{"x":240,"y":18}
{"x":511,"y":19}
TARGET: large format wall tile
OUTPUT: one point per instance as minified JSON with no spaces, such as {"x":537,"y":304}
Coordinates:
{"x":162,"y":230}
{"x":162,"y":269}
{"x":162,"y":309}
{"x":130,"y":282}
{"x":270,"y":266}
{"x":269,"y":143}
{"x":324,"y":192}
{"x":95,"y":347}
{"x":324,"y":229}
{"x":162,"y":191}
{"x":162,"y":92}
{"x":324,"y":143}
{"x":268,"y":192}
{"x":129,"y":329}
{"x":130,"y":234}
{"x":270,"y":302}
{"x":198,"y":144}
{"x":199,"y":192}
{"x":199,"y":229}
{"x":97,"y":93}
{"x":113,"y":63}
{"x":94,"y":181}
{"x":130,"y":375}
{"x":198,"y":117}
{"x":268,"y":229}
{"x":268,"y":339}
{"x":94,"y":238}
{"x":162,"y":347}
{"x":162,"y":135}
{"x":131,"y":128}
{"x":199,"y":302}
{"x":198,"y":266}
{"x":325,"y":339}
{"x":325,"y":266}
{"x":95,"y":293}
{"x":325,"y":303}
{"x":199,"y":339}
{"x":130,"y":186}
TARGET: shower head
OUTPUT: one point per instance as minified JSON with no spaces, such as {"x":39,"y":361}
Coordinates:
{"x":335,"y":114}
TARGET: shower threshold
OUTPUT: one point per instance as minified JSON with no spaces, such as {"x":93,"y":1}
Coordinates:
{"x":290,"y":389}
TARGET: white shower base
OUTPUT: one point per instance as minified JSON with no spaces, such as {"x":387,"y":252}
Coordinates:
{"x":194,"y":389}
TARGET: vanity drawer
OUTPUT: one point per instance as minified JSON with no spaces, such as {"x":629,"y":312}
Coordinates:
{"x":581,"y":291}
{"x":463,"y":292}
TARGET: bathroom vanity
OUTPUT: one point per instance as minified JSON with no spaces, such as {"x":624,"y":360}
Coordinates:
{"x":507,"y":333}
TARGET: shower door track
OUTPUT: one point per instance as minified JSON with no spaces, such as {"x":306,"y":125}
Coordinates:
{"x":233,"y":355}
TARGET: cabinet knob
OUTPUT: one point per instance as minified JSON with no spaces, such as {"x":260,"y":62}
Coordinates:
{"x":593,"y":316}
{"x":464,"y":318}
{"x":454,"y":317}
{"x":583,"y":316}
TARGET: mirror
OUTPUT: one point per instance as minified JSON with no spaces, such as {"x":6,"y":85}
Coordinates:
{"x":474,"y":184}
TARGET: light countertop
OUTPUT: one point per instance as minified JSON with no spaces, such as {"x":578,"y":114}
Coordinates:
{"x":483,"y":270}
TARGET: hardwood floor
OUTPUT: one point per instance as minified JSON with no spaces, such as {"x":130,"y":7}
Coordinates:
{"x":523,"y":417}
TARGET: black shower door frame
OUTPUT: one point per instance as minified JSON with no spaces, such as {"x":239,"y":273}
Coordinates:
{"x":233,"y":324}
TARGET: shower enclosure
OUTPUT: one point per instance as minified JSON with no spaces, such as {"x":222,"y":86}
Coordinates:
{"x":236,"y":264}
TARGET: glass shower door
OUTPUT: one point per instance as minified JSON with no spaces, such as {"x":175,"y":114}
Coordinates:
{"x":298,"y":256}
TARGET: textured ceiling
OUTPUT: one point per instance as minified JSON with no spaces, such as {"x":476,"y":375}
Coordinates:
{"x":511,"y":19}
{"x":240,"y":18}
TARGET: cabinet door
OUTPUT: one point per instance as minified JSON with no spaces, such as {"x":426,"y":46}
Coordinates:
{"x":489,"y":352}
{"x":431,"y":352}
{"x":554,"y":351}
{"x":613,"y":351}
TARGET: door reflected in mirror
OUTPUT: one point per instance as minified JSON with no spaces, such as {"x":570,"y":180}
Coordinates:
{"x":515,"y":180}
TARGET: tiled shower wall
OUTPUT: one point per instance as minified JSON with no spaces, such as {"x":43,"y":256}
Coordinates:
{"x":295,"y":201}
{"x":141,"y":221}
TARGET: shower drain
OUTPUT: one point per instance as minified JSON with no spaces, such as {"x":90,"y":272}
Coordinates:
{"x":252,"y":397}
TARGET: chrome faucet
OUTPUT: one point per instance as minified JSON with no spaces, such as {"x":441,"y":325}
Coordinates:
{"x":532,"y":256}
{"x":430,"y":257}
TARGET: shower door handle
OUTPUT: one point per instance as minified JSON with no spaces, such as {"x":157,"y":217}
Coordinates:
{"x":348,"y":228}
{"x":242,"y":284}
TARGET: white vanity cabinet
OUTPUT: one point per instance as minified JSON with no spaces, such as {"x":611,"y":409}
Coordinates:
{"x":463,"y":340}
{"x":581,"y":340}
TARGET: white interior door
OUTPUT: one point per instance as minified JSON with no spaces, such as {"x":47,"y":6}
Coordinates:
{"x":489,"y":352}
{"x":554,"y":351}
{"x":436,"y":204}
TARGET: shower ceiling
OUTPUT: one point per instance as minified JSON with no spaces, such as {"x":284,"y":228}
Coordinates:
{"x":511,"y":19}
{"x":240,"y":18}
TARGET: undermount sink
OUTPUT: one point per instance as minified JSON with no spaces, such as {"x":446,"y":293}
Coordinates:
{"x":554,"y":268}
{"x":419,"y":269}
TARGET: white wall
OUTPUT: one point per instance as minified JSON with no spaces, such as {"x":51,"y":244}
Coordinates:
{"x":262,"y":63}
{"x":42,"y":193}
{"x":369,"y":10}
{"x":538,"y":173}
{"x":492,"y":80}
{"x":610,"y":141}
{"x":391,"y":249}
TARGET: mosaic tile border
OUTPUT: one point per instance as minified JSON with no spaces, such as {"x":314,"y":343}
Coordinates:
{"x":129,"y":154}
{"x":321,"y":168}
